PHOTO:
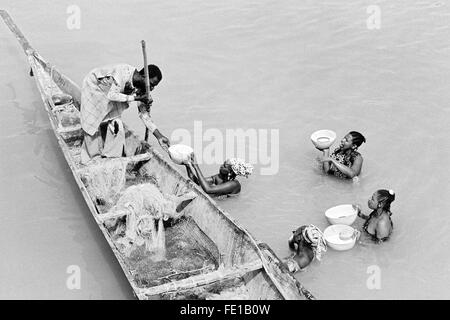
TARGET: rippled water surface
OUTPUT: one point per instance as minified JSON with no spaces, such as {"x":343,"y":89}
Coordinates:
{"x":294,"y":66}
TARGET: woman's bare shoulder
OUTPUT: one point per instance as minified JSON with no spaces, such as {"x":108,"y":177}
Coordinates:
{"x":384,"y":222}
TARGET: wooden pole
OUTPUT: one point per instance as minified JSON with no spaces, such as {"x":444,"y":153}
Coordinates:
{"x":147,"y":80}
{"x":16,"y":31}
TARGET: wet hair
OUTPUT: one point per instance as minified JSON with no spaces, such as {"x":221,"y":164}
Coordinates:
{"x":153,"y":71}
{"x":357,"y":138}
{"x":231,"y":174}
{"x":386,"y":197}
{"x":297,"y":238}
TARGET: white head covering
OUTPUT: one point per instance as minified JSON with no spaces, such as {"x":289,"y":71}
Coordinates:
{"x":314,"y":236}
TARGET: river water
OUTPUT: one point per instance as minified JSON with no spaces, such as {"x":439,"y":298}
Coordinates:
{"x":290,"y":66}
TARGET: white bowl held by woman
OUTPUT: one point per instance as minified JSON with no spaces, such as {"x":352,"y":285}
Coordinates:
{"x":340,"y":237}
{"x":323,"y":139}
{"x":180,"y":153}
{"x":342,"y":214}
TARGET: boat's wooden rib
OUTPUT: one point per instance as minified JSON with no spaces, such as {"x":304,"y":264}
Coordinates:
{"x":201,"y":280}
{"x":133,"y":159}
{"x":242,"y":262}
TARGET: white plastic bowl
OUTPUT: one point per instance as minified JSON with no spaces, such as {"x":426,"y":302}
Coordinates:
{"x":339,"y":237}
{"x":180,"y":153}
{"x":342,"y":214}
{"x":323,"y":139}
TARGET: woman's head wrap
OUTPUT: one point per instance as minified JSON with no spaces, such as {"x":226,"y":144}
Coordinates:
{"x":314,"y":237}
{"x":240,"y":167}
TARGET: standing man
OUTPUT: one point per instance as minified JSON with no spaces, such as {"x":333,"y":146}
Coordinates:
{"x":106,"y":92}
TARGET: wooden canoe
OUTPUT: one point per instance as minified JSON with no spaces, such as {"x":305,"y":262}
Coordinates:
{"x":239,"y":266}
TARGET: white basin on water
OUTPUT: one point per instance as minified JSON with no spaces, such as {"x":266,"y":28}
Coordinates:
{"x":342,"y":214}
{"x":323,"y":139}
{"x":340,"y":237}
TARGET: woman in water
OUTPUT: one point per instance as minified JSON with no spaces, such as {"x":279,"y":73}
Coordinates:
{"x":223,"y":183}
{"x":378,"y":223}
{"x":308,"y":243}
{"x":345,"y":161}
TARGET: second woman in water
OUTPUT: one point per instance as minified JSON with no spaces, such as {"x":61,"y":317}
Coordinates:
{"x":345,"y":161}
{"x":378,"y":224}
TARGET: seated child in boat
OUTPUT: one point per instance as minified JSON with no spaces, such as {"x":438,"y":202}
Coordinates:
{"x":378,"y":223}
{"x":308,"y":243}
{"x":223,"y":183}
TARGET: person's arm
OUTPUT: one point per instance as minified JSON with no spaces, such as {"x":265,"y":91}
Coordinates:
{"x":115,"y":94}
{"x":350,"y":172}
{"x":210,"y":180}
{"x":221,"y":189}
{"x":362,"y":215}
{"x":191,"y":174}
{"x":162,"y":140}
{"x":359,"y":213}
{"x":326,"y":164}
{"x":147,"y":119}
{"x":144,"y":114}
